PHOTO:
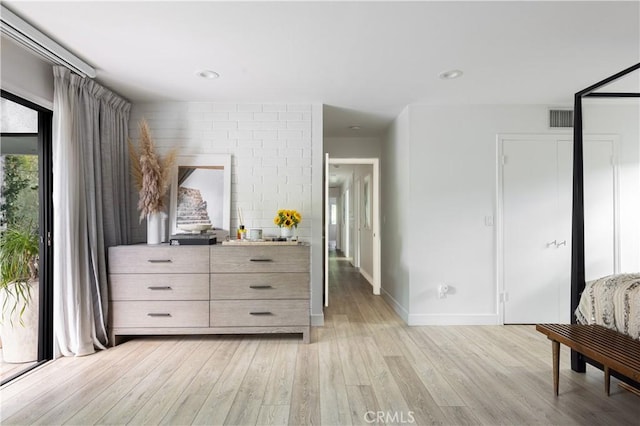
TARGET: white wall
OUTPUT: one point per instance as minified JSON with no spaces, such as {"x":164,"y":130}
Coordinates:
{"x":397,"y":229}
{"x":440,"y":164}
{"x":355,"y":147}
{"x":453,"y":156}
{"x":24,"y":74}
{"x":273,"y":148}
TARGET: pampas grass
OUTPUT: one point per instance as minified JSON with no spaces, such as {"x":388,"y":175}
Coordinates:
{"x":151,"y":173}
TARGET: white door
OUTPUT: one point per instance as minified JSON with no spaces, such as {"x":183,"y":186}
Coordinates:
{"x":357,"y":207}
{"x":327,"y":212}
{"x":536,"y":265}
{"x":600,"y":222}
{"x":536,"y":224}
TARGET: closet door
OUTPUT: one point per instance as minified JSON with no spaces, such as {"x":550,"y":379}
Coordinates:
{"x":599,"y":204}
{"x":536,"y":266}
{"x":536,"y":212}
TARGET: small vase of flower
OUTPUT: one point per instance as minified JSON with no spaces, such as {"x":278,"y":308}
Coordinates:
{"x":286,"y":220}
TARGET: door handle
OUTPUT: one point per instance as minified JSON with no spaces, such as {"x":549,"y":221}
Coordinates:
{"x":153,"y":314}
{"x":561,"y":243}
{"x":260,"y":287}
{"x":260,"y":313}
{"x":166,"y":287}
{"x":552,"y":243}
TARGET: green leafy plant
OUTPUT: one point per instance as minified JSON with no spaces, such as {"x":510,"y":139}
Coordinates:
{"x":18,"y":267}
{"x":19,"y":190}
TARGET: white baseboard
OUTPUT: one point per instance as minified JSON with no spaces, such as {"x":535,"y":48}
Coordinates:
{"x":454,"y":319}
{"x":366,"y":276}
{"x":317,"y":320}
{"x":397,"y":307}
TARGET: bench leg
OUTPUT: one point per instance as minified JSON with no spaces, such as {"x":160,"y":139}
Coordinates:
{"x":555,"y":346}
{"x":607,"y":380}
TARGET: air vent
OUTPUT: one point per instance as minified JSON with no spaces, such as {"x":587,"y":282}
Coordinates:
{"x":560,"y":118}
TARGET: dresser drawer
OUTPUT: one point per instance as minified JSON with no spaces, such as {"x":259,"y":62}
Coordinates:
{"x":158,"y":259}
{"x":289,"y":285}
{"x":259,"y":259}
{"x":160,"y":314}
{"x":159,"y":286}
{"x":256,"y":313}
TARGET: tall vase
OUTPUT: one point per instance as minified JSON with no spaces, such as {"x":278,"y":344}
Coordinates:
{"x":154,"y":228}
{"x":286,"y":232}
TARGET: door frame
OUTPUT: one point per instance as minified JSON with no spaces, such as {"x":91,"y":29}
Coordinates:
{"x":357,"y":210}
{"x":45,"y":189}
{"x":499,"y":230}
{"x":375,"y":219}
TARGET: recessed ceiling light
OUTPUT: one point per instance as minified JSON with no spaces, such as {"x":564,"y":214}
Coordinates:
{"x":450,"y":75}
{"x":208,"y":74}
{"x":354,"y":127}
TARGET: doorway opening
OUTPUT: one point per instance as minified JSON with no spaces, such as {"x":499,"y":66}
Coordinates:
{"x":26,"y":213}
{"x":352,"y":217}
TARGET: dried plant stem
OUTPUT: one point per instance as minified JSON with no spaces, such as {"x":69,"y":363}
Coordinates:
{"x":151,"y":173}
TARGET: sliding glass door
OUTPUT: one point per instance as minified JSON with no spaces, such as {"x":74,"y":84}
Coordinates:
{"x":26,"y":330}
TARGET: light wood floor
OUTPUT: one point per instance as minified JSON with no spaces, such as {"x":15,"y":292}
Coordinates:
{"x":9,"y":369}
{"x":363,"y":365}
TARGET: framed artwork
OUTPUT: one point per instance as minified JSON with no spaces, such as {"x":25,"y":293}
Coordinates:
{"x":200,"y":193}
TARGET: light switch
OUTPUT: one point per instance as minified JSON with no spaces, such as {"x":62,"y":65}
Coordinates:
{"x":488,"y":221}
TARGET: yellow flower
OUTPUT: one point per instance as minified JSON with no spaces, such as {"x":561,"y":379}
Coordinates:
{"x":288,"y":218}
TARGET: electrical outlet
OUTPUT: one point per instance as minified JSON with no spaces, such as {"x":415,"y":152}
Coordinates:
{"x":442,"y":291}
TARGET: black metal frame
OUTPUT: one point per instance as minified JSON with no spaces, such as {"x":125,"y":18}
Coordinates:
{"x":578,"y":361}
{"x":45,"y":184}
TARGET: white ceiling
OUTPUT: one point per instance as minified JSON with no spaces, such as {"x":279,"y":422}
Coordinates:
{"x":364,"y":60}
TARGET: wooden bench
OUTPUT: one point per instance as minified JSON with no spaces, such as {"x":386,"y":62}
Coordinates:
{"x":613,"y":350}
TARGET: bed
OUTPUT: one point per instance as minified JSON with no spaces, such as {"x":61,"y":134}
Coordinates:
{"x":612,"y":301}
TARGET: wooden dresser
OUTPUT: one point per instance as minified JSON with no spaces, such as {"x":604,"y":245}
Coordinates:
{"x":208,"y":290}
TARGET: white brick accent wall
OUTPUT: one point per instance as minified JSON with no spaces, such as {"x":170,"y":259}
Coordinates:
{"x":270,"y":144}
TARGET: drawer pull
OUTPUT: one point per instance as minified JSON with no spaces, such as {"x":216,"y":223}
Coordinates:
{"x":260,"y":287}
{"x":261,"y":260}
{"x":260,"y":313}
{"x":159,"y":260}
{"x":158,"y":314}
{"x":165,"y":287}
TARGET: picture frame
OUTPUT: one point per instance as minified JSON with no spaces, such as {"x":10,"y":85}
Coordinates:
{"x":200,"y":193}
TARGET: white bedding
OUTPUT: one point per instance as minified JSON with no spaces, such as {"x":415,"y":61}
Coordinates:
{"x":613,"y":302}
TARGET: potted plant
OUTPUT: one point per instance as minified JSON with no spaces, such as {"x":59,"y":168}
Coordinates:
{"x":19,"y":294}
{"x":286,"y":220}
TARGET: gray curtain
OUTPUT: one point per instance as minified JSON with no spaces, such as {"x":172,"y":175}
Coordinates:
{"x":91,"y":205}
